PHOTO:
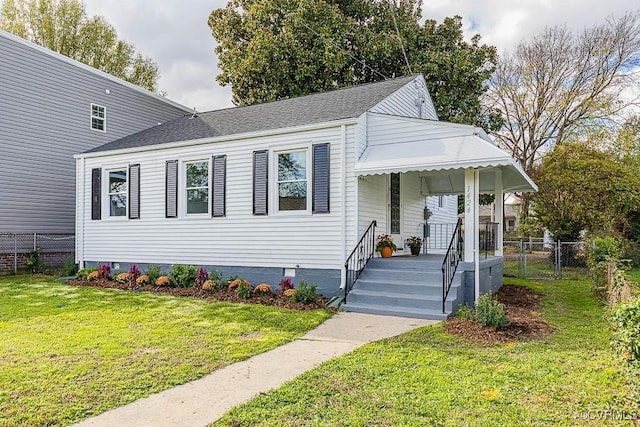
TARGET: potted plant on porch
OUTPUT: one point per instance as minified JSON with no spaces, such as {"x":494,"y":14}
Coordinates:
{"x":414,"y":243}
{"x":385,"y":246}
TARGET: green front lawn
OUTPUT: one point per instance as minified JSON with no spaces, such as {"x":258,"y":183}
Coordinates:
{"x":67,"y":353}
{"x":430,"y":378}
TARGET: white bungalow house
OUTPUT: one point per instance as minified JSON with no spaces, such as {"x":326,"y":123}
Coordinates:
{"x":299,"y":187}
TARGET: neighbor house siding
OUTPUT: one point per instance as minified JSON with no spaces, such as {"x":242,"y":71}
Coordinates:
{"x":45,"y":110}
{"x":407,"y":100}
{"x":240,"y":238}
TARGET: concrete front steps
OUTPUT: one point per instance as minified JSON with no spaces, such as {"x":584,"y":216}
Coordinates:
{"x":404,"y":287}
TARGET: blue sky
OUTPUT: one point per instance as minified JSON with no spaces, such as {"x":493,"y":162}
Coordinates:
{"x":175,"y":33}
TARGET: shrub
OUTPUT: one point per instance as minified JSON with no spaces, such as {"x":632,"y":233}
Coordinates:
{"x":306,"y":293}
{"x":201,"y":276}
{"x":262,"y":288}
{"x":70,"y":268}
{"x":84,"y":273}
{"x":216,"y":275}
{"x":219,"y":283}
{"x":286,"y":283}
{"x":163,"y":281}
{"x":94,"y":275}
{"x":209,"y":284}
{"x":604,"y":249}
{"x":490,"y":312}
{"x":183,"y":276}
{"x":625,"y":321}
{"x":123,"y":277}
{"x":626,"y":327}
{"x":464,"y":312}
{"x":33,"y":261}
{"x":134,"y":273}
{"x":244,"y":290}
{"x":289,"y":293}
{"x":142,"y":280}
{"x":153,"y":272}
{"x":236,"y":282}
{"x":104,"y":271}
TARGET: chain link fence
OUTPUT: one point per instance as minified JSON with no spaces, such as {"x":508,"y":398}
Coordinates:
{"x":54,"y":249}
{"x":543,"y":259}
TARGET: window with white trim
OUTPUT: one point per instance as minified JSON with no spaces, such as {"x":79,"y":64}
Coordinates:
{"x":440,"y":202}
{"x":292,"y":181}
{"x":98,"y":118}
{"x":117,"y":192}
{"x":197,"y":187}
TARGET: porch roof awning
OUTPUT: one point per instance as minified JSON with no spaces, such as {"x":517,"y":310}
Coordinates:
{"x":442,"y":153}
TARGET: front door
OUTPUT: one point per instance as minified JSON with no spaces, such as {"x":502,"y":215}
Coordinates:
{"x":395,"y":210}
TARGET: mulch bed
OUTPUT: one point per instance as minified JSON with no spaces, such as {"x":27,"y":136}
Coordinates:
{"x":520,"y":304}
{"x":275,"y":299}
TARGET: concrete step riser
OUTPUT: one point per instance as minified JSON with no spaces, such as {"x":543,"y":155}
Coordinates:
{"x":432,"y":315}
{"x":408,"y":289}
{"x":398,"y":302}
{"x":404,"y":264}
{"x":402,"y":276}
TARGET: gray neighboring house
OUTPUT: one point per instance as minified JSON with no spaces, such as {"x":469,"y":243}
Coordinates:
{"x":52,"y":107}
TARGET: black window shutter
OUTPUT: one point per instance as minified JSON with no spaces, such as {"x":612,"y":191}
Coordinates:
{"x":171,"y":187}
{"x":320,"y":178}
{"x":260,"y":182}
{"x":134,"y":191}
{"x":218,"y":196}
{"x":96,"y":193}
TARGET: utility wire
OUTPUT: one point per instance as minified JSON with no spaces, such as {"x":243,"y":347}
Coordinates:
{"x":395,"y":24}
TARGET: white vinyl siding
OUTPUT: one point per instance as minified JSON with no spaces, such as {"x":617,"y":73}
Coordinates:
{"x":414,"y":202}
{"x":412,"y":100}
{"x":372,"y":202}
{"x":373,"y":205}
{"x":239,"y":237}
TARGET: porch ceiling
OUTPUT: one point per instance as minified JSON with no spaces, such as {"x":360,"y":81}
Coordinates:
{"x":441,"y":159}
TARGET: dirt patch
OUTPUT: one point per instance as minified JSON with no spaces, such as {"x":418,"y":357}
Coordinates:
{"x":275,"y":299}
{"x":525,"y":324}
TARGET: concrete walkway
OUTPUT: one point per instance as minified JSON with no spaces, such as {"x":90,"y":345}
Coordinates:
{"x":203,"y":401}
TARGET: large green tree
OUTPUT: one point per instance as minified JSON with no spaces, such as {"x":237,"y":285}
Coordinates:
{"x":269,"y":50}
{"x":585,"y":187}
{"x":63,"y":26}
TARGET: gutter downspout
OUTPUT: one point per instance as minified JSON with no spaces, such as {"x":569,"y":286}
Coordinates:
{"x":343,"y":203}
{"x":79,"y":246}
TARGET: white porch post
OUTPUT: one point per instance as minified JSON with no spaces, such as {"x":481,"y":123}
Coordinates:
{"x":470,"y":214}
{"x":499,"y":212}
{"x":472,"y":223}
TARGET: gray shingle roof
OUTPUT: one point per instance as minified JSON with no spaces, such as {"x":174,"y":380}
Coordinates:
{"x":322,"y":107}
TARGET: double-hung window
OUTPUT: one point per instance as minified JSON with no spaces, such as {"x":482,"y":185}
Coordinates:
{"x":117,"y":193}
{"x":98,"y":118}
{"x":292,"y":181}
{"x":197,"y":187}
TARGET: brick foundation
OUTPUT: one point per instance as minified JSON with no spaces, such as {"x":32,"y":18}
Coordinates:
{"x":50,"y":259}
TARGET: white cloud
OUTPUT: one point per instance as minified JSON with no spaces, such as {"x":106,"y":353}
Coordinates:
{"x":175,"y":33}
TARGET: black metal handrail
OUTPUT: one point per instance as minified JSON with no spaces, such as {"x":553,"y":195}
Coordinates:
{"x":452,"y":258}
{"x":359,"y":258}
{"x":488,"y":236}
